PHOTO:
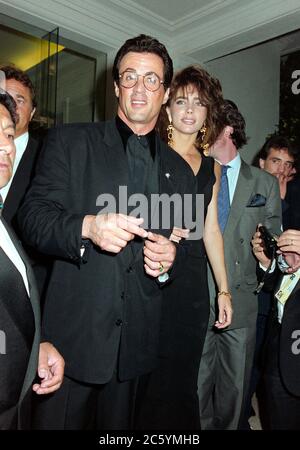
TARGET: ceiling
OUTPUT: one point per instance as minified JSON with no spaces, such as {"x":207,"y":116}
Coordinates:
{"x":173,"y":10}
{"x":193,"y":30}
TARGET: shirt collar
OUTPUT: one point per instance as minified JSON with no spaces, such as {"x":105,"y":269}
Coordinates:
{"x":235,"y":163}
{"x":126,"y":132}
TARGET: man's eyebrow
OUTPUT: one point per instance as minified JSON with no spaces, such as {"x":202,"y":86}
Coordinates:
{"x":20,"y":96}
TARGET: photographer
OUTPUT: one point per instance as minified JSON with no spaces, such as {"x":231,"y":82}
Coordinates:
{"x":282,"y":358}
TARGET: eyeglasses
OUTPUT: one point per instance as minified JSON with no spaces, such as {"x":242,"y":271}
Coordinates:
{"x":151,"y":80}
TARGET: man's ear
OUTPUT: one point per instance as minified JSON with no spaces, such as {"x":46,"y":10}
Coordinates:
{"x":166,"y":96}
{"x":169,"y":114}
{"x":228,"y":130}
{"x":117,"y":89}
{"x":261,"y":163}
{"x":32,"y":113}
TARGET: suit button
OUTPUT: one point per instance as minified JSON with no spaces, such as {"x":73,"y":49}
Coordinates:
{"x":241,"y":240}
{"x":119,"y":322}
{"x":130,"y":270}
{"x":123,"y":295}
{"x":237,"y":263}
{"x":237,"y":286}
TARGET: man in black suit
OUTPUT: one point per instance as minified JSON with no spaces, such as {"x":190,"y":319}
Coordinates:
{"x":103,"y":305}
{"x":282,"y":354}
{"x":20,"y":350}
{"x":20,"y":87}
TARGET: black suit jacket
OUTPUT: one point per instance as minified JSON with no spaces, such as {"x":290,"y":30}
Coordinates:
{"x":17,"y":321}
{"x":16,"y":194}
{"x":291,"y":216}
{"x":103,"y":305}
{"x":21,"y":183}
{"x":289,"y":350}
{"x":289,"y":338}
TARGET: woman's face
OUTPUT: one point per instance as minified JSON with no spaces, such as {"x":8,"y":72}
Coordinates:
{"x":186,"y":111}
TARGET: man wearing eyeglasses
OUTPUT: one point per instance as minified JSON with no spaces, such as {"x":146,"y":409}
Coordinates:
{"x":103,"y":304}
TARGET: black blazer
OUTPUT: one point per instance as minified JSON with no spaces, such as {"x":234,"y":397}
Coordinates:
{"x":21,"y":183}
{"x":17,"y":322}
{"x":289,"y":338}
{"x":289,"y":350}
{"x":103,"y":305}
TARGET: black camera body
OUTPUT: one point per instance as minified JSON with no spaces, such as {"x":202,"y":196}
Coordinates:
{"x":269,"y":242}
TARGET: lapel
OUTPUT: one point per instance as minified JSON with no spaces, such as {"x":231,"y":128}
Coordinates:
{"x":29,"y":270}
{"x":117,"y":173}
{"x":241,"y":197}
{"x":21,"y":180}
{"x":117,"y":166}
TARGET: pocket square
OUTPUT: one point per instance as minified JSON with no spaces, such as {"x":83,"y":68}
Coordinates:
{"x":256,"y":200}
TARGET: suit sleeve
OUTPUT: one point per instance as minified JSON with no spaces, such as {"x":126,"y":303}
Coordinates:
{"x":45,"y":221}
{"x":273,"y":214}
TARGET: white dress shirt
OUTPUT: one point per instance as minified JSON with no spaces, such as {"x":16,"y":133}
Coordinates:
{"x":233,"y":174}
{"x":21,"y":144}
{"x":11,"y":251}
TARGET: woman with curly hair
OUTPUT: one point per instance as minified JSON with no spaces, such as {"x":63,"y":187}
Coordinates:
{"x":189,"y":123}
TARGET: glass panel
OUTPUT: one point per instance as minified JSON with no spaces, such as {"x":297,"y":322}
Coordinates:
{"x":63,"y":72}
{"x":76,"y":87}
{"x":45,"y":76}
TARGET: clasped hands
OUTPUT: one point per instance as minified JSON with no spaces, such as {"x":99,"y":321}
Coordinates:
{"x":112,"y":232}
{"x":288,"y":245}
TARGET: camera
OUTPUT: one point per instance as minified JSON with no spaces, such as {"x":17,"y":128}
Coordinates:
{"x":269,"y":242}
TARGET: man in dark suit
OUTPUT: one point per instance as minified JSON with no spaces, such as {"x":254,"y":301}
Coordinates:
{"x":20,"y":350}
{"x":279,"y":158}
{"x":20,"y":87}
{"x":282,"y":353}
{"x":252,"y":198}
{"x":103,"y":305}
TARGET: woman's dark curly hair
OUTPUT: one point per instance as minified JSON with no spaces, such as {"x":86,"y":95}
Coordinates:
{"x":210,"y":94}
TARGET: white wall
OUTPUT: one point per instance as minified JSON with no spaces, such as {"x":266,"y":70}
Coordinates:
{"x":251,"y":78}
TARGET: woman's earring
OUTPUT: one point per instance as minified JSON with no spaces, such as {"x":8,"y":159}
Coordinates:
{"x":170,"y":129}
{"x":204,"y":147}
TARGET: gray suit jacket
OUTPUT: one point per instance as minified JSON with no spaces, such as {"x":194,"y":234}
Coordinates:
{"x":241,"y":225}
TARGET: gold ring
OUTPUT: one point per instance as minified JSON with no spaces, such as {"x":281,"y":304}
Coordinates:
{"x":161,"y":267}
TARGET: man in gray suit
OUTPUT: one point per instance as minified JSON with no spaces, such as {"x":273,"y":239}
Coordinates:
{"x":248,"y":196}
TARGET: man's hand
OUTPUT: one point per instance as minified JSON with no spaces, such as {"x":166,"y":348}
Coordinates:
{"x":50,"y":369}
{"x":112,"y":232}
{"x":289,"y":246}
{"x":258,"y":249}
{"x":159,"y":254}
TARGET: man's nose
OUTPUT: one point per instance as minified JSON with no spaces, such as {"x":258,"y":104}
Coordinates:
{"x":139,"y":86}
{"x":6,"y":145}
